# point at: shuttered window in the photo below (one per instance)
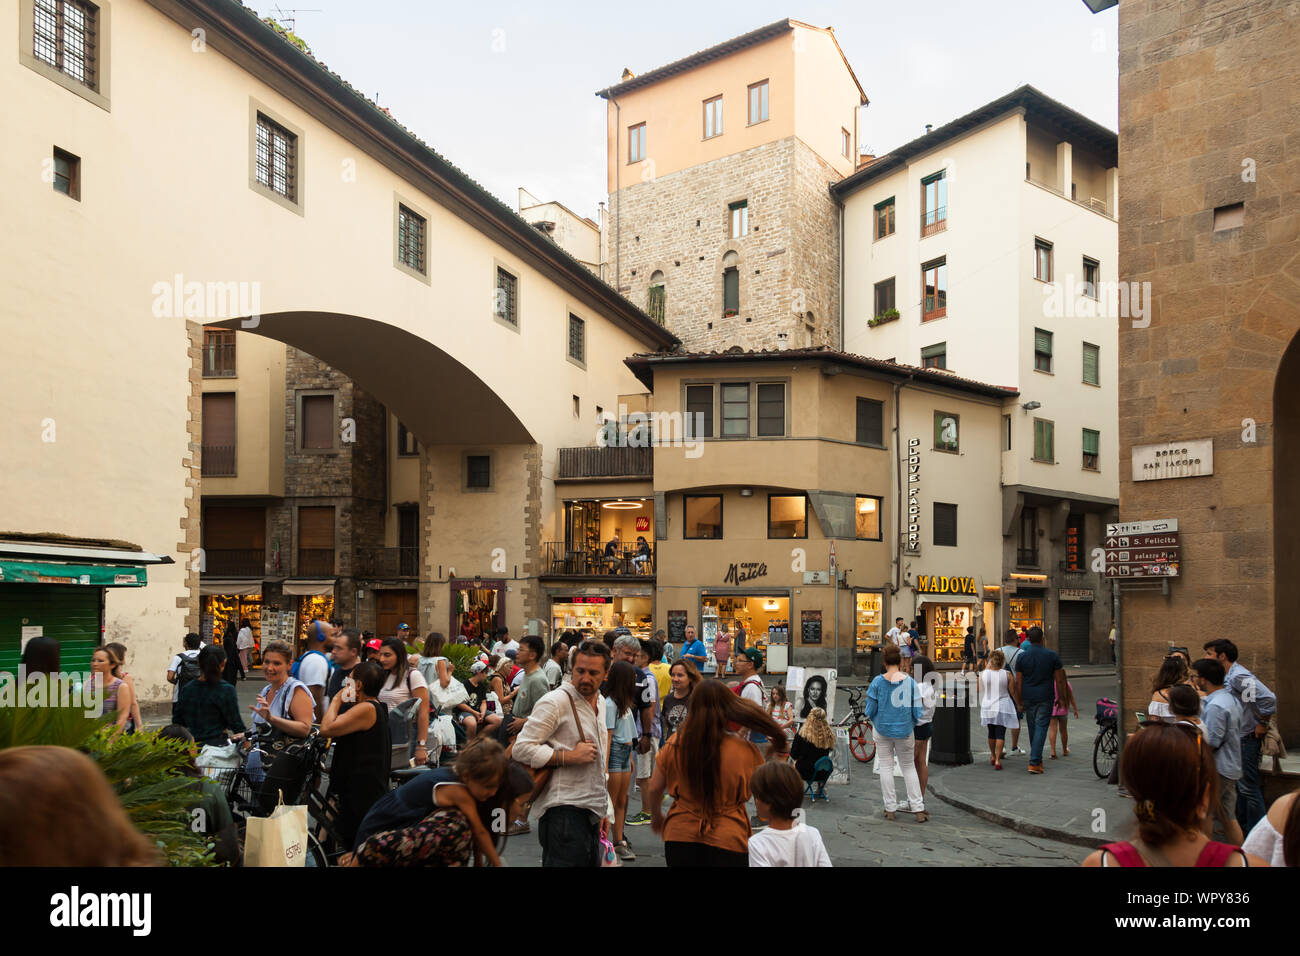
(699, 409)
(1091, 448)
(1042, 350)
(234, 528)
(871, 422)
(317, 426)
(219, 434)
(70, 615)
(771, 410)
(316, 527)
(1044, 440)
(945, 525)
(1091, 364)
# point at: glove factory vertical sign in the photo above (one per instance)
(913, 540)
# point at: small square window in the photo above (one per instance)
(787, 516)
(935, 356)
(478, 471)
(67, 174)
(703, 514)
(1230, 217)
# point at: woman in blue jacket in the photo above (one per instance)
(894, 708)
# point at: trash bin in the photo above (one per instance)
(950, 743)
(873, 667)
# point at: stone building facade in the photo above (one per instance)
(1210, 217)
(676, 232)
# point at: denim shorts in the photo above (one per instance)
(620, 757)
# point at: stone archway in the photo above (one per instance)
(1286, 538)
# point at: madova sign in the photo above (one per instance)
(937, 584)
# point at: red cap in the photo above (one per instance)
(374, 644)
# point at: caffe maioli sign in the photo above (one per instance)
(938, 584)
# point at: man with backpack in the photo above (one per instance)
(185, 665)
(313, 666)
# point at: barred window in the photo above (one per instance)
(507, 297)
(277, 160)
(64, 36)
(410, 239)
(577, 339)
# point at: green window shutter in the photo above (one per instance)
(655, 303)
(1091, 362)
(68, 613)
(1042, 341)
(1091, 441)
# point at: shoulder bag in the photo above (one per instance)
(542, 775)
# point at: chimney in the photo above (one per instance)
(782, 341)
(627, 75)
(928, 127)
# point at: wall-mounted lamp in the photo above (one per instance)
(1031, 406)
(746, 492)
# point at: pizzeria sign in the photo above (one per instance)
(940, 584)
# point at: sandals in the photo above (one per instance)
(889, 815)
(997, 766)
(922, 816)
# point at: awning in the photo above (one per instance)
(308, 588)
(240, 588)
(85, 575)
(946, 599)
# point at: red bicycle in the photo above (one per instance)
(861, 743)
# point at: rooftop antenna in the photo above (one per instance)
(286, 18)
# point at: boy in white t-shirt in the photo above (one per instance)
(787, 841)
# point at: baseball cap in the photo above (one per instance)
(403, 627)
(374, 644)
(755, 656)
(511, 653)
(477, 667)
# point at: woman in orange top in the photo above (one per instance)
(706, 769)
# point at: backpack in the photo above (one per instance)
(188, 670)
(293, 671)
(739, 689)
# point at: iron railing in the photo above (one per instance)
(234, 562)
(219, 461)
(316, 562)
(607, 462)
(1027, 557)
(388, 562)
(934, 220)
(563, 560)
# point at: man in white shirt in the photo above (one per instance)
(503, 642)
(314, 665)
(894, 635)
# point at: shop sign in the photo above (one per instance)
(816, 577)
(584, 599)
(745, 571)
(1075, 594)
(913, 496)
(643, 523)
(937, 584)
(1173, 459)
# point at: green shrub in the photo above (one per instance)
(461, 657)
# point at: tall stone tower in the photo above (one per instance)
(721, 223)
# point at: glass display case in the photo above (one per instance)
(868, 620)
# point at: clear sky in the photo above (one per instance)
(505, 90)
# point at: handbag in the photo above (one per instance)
(542, 775)
(279, 839)
(607, 855)
(449, 697)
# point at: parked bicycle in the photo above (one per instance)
(1106, 747)
(861, 743)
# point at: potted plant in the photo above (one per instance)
(889, 315)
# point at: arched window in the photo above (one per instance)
(730, 284)
(655, 299)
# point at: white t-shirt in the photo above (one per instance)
(554, 673)
(753, 690)
(396, 693)
(893, 636)
(801, 845)
(244, 640)
(175, 667)
(314, 670)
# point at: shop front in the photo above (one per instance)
(223, 604)
(478, 607)
(948, 605)
(1025, 603)
(868, 621)
(763, 616)
(600, 610)
(305, 601)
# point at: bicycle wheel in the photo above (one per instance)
(315, 853)
(1104, 750)
(861, 744)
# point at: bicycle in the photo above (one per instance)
(1106, 747)
(861, 743)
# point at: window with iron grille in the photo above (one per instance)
(935, 356)
(507, 296)
(885, 218)
(478, 471)
(410, 239)
(218, 353)
(1091, 448)
(945, 525)
(1044, 441)
(277, 158)
(871, 422)
(1042, 350)
(1091, 364)
(771, 410)
(64, 35)
(577, 339)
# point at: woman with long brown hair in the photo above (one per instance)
(707, 768)
(58, 809)
(1173, 671)
(118, 697)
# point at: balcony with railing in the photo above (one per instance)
(1026, 557)
(234, 562)
(934, 220)
(316, 562)
(563, 560)
(607, 462)
(219, 461)
(388, 562)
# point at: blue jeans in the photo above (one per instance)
(1038, 716)
(1250, 799)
